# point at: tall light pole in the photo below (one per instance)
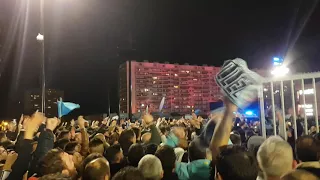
(40, 39)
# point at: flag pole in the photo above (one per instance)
(60, 109)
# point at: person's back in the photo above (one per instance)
(135, 153)
(199, 166)
(275, 158)
(115, 157)
(167, 157)
(299, 175)
(128, 173)
(234, 162)
(307, 153)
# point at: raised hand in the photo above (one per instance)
(32, 124)
(52, 123)
(147, 119)
(72, 123)
(105, 121)
(11, 158)
(81, 121)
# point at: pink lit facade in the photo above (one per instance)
(185, 87)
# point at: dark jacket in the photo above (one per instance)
(155, 135)
(45, 144)
(20, 166)
(171, 176)
(311, 167)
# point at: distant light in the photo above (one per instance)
(154, 77)
(187, 71)
(276, 59)
(176, 86)
(249, 113)
(309, 114)
(142, 105)
(5, 124)
(40, 37)
(306, 91)
(265, 89)
(146, 90)
(176, 75)
(307, 106)
(195, 79)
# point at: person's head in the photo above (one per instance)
(57, 161)
(126, 139)
(56, 176)
(88, 159)
(234, 162)
(65, 134)
(307, 149)
(167, 157)
(101, 137)
(136, 152)
(72, 147)
(97, 169)
(235, 139)
(145, 138)
(114, 154)
(113, 139)
(196, 151)
(151, 167)
(78, 138)
(151, 148)
(275, 157)
(299, 174)
(128, 173)
(61, 143)
(96, 146)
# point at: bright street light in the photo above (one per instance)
(40, 37)
(280, 71)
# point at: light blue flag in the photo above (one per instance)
(65, 108)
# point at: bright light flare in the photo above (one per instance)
(280, 71)
(40, 37)
(249, 113)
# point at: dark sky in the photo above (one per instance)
(82, 37)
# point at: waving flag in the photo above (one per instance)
(65, 108)
(161, 104)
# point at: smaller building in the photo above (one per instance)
(32, 101)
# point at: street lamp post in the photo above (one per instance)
(40, 38)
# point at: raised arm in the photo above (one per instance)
(222, 131)
(20, 166)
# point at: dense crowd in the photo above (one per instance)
(221, 147)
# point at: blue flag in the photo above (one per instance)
(65, 108)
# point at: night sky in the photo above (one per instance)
(83, 38)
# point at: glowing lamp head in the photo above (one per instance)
(249, 113)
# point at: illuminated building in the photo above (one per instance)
(32, 101)
(185, 87)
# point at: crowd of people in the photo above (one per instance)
(219, 147)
